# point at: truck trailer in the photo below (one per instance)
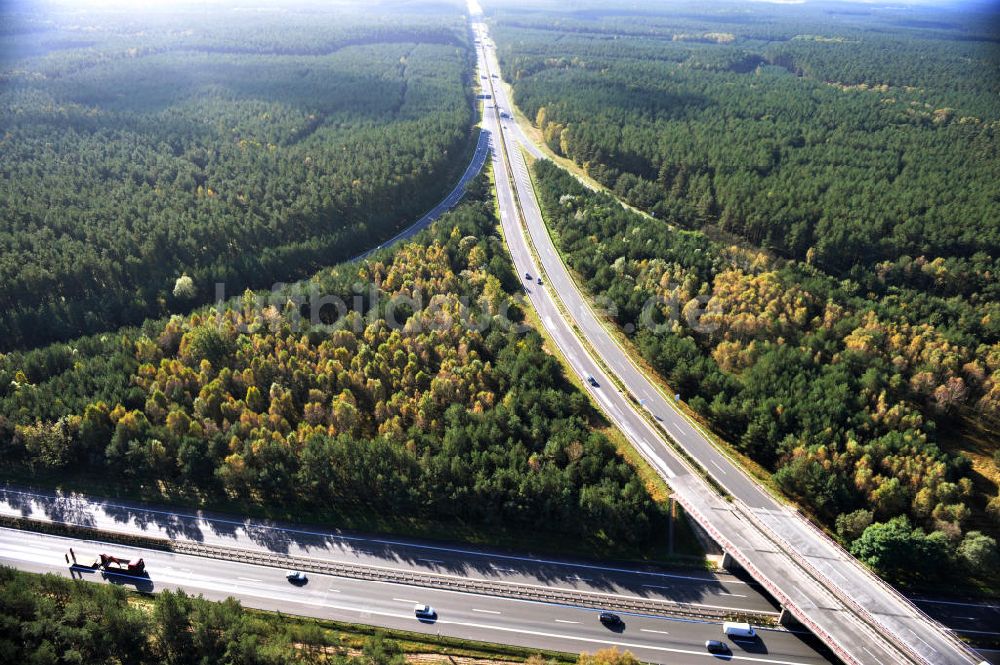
(113, 564)
(108, 563)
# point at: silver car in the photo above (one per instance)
(424, 611)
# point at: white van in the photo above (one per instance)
(737, 629)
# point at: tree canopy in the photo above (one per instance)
(241, 151)
(50, 619)
(428, 401)
(835, 313)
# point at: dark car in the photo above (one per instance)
(592, 381)
(539, 281)
(715, 646)
(610, 619)
(527, 276)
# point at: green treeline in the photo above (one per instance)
(850, 142)
(843, 330)
(840, 401)
(45, 619)
(845, 176)
(452, 416)
(133, 158)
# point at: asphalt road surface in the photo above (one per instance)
(795, 560)
(470, 616)
(446, 204)
(716, 590)
(973, 619)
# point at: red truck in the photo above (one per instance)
(113, 564)
(109, 563)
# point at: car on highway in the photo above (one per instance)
(424, 611)
(715, 646)
(539, 281)
(296, 576)
(592, 381)
(611, 619)
(527, 276)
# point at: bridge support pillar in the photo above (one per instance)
(787, 619)
(728, 562)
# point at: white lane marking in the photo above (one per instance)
(954, 602)
(431, 560)
(877, 660)
(249, 579)
(650, 630)
(450, 550)
(978, 632)
(404, 600)
(485, 611)
(617, 643)
(273, 591)
(655, 586)
(726, 593)
(333, 591)
(922, 641)
(716, 465)
(565, 621)
(540, 586)
(577, 578)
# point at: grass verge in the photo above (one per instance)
(687, 550)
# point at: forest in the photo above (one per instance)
(429, 403)
(827, 163)
(47, 619)
(148, 160)
(50, 619)
(822, 237)
(840, 402)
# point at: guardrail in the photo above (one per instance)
(520, 590)
(946, 632)
(901, 642)
(868, 622)
(768, 584)
(481, 586)
(830, 587)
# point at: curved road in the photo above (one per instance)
(446, 204)
(862, 618)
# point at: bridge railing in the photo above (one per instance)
(832, 642)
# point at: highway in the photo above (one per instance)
(711, 590)
(786, 554)
(860, 617)
(974, 619)
(485, 618)
(446, 204)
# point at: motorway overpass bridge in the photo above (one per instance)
(861, 618)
